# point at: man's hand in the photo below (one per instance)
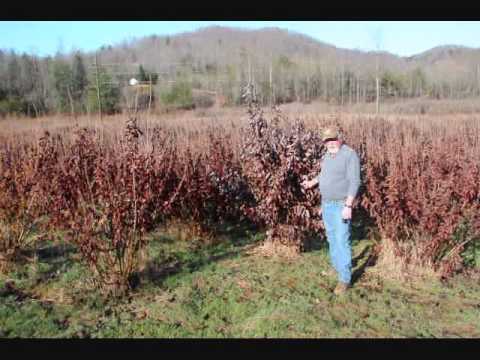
(347, 213)
(308, 184)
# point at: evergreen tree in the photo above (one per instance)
(62, 79)
(109, 93)
(79, 82)
(145, 76)
(13, 76)
(142, 76)
(32, 86)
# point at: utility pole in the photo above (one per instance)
(149, 109)
(98, 87)
(272, 97)
(70, 98)
(136, 99)
(358, 89)
(341, 81)
(478, 80)
(251, 79)
(378, 43)
(150, 94)
(377, 86)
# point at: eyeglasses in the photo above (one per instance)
(330, 139)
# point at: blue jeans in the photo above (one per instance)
(338, 237)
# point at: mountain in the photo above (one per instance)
(224, 45)
(441, 53)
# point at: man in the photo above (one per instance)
(339, 181)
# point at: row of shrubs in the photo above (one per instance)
(420, 189)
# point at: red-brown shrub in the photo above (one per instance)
(275, 161)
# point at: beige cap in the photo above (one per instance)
(330, 133)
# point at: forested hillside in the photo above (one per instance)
(197, 69)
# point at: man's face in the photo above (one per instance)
(333, 145)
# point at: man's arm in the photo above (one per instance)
(353, 176)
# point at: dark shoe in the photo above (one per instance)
(341, 288)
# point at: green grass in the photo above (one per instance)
(222, 291)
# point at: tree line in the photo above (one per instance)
(79, 83)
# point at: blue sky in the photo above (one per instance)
(403, 38)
